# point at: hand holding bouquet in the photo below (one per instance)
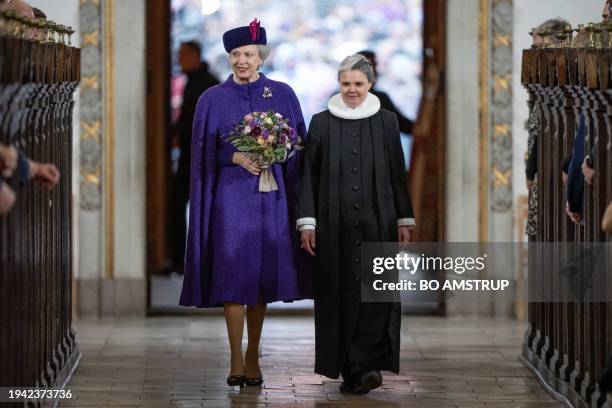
(269, 138)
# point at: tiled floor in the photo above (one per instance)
(183, 361)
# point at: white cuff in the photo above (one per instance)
(306, 227)
(309, 222)
(406, 222)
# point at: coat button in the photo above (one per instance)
(354, 134)
(357, 242)
(357, 260)
(355, 188)
(357, 224)
(356, 206)
(354, 151)
(354, 169)
(356, 278)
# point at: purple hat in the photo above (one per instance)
(247, 35)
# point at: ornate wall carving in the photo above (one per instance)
(500, 83)
(91, 104)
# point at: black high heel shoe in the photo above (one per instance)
(234, 380)
(254, 382)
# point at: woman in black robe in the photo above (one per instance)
(353, 189)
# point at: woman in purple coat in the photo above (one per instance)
(241, 249)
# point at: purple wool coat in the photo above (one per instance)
(242, 246)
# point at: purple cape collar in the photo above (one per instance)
(250, 86)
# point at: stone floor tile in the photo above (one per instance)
(184, 361)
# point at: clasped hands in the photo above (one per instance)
(248, 162)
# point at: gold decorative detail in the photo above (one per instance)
(502, 40)
(92, 38)
(94, 2)
(501, 129)
(502, 82)
(90, 82)
(93, 177)
(91, 130)
(501, 178)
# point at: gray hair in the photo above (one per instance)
(553, 29)
(553, 26)
(359, 63)
(264, 51)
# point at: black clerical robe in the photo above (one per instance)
(353, 182)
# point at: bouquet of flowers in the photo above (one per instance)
(270, 139)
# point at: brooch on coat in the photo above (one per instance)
(267, 93)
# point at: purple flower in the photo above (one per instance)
(255, 130)
(282, 139)
(265, 133)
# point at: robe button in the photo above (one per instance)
(354, 170)
(354, 152)
(356, 206)
(357, 242)
(357, 224)
(354, 134)
(355, 188)
(356, 278)
(357, 260)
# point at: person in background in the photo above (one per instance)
(14, 162)
(19, 6)
(549, 34)
(582, 39)
(588, 166)
(405, 124)
(607, 11)
(553, 26)
(198, 81)
(7, 197)
(38, 13)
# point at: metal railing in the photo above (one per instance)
(39, 73)
(569, 342)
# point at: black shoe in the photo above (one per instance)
(254, 382)
(368, 381)
(234, 380)
(347, 388)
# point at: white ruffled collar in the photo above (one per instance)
(369, 107)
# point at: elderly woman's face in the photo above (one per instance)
(354, 87)
(244, 61)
